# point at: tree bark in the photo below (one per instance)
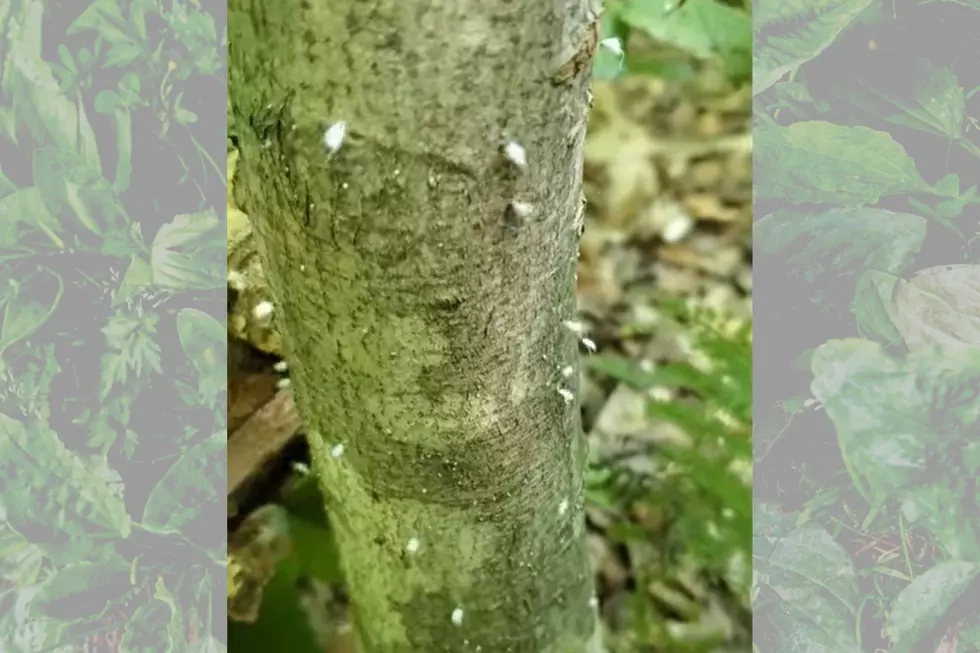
(421, 276)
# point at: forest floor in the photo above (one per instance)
(668, 178)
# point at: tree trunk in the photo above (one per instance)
(421, 273)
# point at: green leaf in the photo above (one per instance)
(820, 162)
(205, 341)
(191, 253)
(935, 103)
(792, 32)
(824, 254)
(814, 578)
(38, 102)
(890, 413)
(873, 303)
(83, 590)
(73, 190)
(191, 495)
(53, 498)
(925, 602)
(30, 306)
(27, 226)
(148, 630)
(703, 28)
(939, 307)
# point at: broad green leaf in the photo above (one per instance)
(138, 275)
(811, 627)
(74, 190)
(808, 559)
(704, 28)
(191, 495)
(191, 253)
(53, 498)
(83, 590)
(205, 341)
(825, 163)
(924, 603)
(822, 255)
(38, 102)
(20, 561)
(148, 630)
(790, 33)
(27, 226)
(873, 305)
(22, 631)
(933, 102)
(813, 576)
(890, 413)
(32, 303)
(942, 511)
(939, 307)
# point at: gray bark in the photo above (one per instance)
(420, 278)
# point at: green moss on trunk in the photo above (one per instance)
(421, 320)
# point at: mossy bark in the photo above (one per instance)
(421, 315)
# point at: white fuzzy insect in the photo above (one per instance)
(333, 138)
(237, 280)
(589, 344)
(576, 327)
(566, 394)
(337, 451)
(516, 154)
(457, 617)
(282, 384)
(413, 545)
(563, 507)
(613, 44)
(263, 310)
(281, 367)
(567, 371)
(521, 209)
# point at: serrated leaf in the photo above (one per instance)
(923, 604)
(821, 162)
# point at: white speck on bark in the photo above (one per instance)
(262, 310)
(413, 545)
(516, 154)
(457, 617)
(566, 394)
(333, 138)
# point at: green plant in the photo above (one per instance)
(701, 486)
(870, 364)
(704, 29)
(112, 344)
